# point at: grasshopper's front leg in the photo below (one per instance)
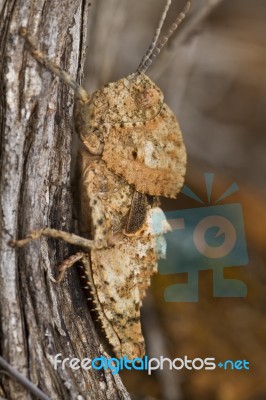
(80, 93)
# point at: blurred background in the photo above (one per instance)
(213, 75)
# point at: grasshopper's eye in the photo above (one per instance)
(147, 98)
(94, 142)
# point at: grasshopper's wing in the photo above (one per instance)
(137, 214)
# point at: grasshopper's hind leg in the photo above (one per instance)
(67, 237)
(81, 94)
(68, 263)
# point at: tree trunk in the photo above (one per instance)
(38, 318)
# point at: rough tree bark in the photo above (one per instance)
(38, 318)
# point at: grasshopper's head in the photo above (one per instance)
(131, 100)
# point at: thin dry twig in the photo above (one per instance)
(12, 372)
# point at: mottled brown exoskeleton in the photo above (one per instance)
(134, 148)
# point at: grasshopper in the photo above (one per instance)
(133, 152)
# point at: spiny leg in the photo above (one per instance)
(80, 92)
(68, 263)
(56, 234)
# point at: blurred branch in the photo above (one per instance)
(194, 22)
(169, 382)
(13, 373)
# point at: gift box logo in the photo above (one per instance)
(205, 238)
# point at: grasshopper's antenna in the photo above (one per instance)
(80, 92)
(157, 34)
(148, 59)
